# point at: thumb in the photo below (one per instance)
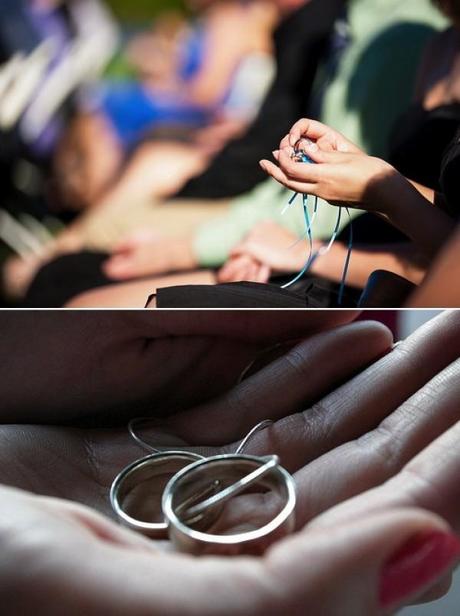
(370, 566)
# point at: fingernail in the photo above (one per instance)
(263, 165)
(311, 146)
(417, 565)
(275, 153)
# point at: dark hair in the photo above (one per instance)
(451, 8)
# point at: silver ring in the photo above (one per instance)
(136, 492)
(200, 535)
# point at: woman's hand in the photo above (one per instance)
(361, 467)
(274, 246)
(243, 267)
(67, 559)
(267, 248)
(343, 175)
(326, 138)
(148, 254)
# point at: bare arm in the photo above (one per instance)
(414, 215)
(440, 288)
(400, 259)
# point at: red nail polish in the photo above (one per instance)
(423, 559)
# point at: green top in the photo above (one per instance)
(371, 88)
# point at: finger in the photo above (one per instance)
(285, 142)
(359, 406)
(279, 175)
(303, 172)
(263, 274)
(250, 326)
(307, 128)
(375, 565)
(363, 402)
(242, 269)
(247, 269)
(227, 272)
(123, 363)
(293, 381)
(357, 566)
(318, 155)
(379, 455)
(430, 481)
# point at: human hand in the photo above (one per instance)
(331, 415)
(66, 558)
(274, 246)
(243, 267)
(94, 455)
(147, 253)
(343, 175)
(62, 366)
(326, 138)
(361, 578)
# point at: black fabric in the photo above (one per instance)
(300, 43)
(386, 290)
(419, 140)
(231, 295)
(316, 293)
(369, 229)
(62, 279)
(450, 175)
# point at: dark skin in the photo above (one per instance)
(340, 434)
(117, 363)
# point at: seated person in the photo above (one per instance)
(203, 88)
(211, 243)
(345, 176)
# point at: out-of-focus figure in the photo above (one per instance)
(51, 49)
(196, 87)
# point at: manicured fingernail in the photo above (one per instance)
(416, 566)
(275, 153)
(263, 165)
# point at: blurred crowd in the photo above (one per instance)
(130, 157)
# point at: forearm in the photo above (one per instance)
(400, 259)
(414, 215)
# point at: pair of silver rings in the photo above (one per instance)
(224, 504)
